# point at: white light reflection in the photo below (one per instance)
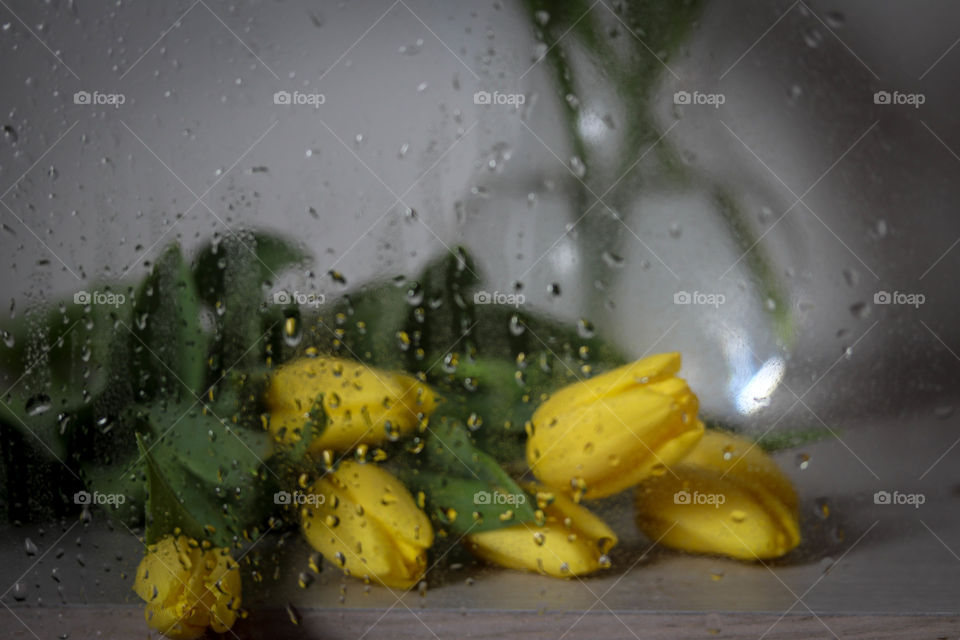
(750, 387)
(592, 128)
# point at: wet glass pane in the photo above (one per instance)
(362, 311)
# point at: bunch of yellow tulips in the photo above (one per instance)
(635, 427)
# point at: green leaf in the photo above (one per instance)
(213, 468)
(165, 512)
(778, 439)
(230, 276)
(169, 345)
(460, 480)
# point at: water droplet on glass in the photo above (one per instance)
(835, 20)
(293, 614)
(851, 277)
(943, 412)
(860, 310)
(812, 37)
(675, 230)
(516, 325)
(613, 260)
(803, 461)
(738, 516)
(291, 332)
(38, 404)
(577, 167)
(585, 329)
(30, 547)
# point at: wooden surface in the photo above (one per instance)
(106, 623)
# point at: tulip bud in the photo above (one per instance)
(361, 404)
(366, 522)
(607, 434)
(188, 588)
(571, 542)
(726, 497)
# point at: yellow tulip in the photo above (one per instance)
(363, 405)
(188, 588)
(364, 520)
(571, 542)
(726, 497)
(606, 434)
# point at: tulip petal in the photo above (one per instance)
(362, 404)
(614, 443)
(645, 371)
(727, 497)
(369, 525)
(571, 542)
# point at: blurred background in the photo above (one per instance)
(767, 188)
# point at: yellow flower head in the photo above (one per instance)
(571, 542)
(188, 588)
(363, 405)
(727, 497)
(365, 521)
(606, 434)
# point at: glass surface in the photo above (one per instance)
(765, 189)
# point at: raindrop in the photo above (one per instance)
(38, 405)
(291, 332)
(585, 329)
(613, 260)
(576, 165)
(943, 412)
(880, 229)
(835, 20)
(305, 579)
(294, 615)
(803, 461)
(20, 591)
(860, 310)
(675, 230)
(516, 325)
(812, 37)
(851, 277)
(30, 547)
(738, 516)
